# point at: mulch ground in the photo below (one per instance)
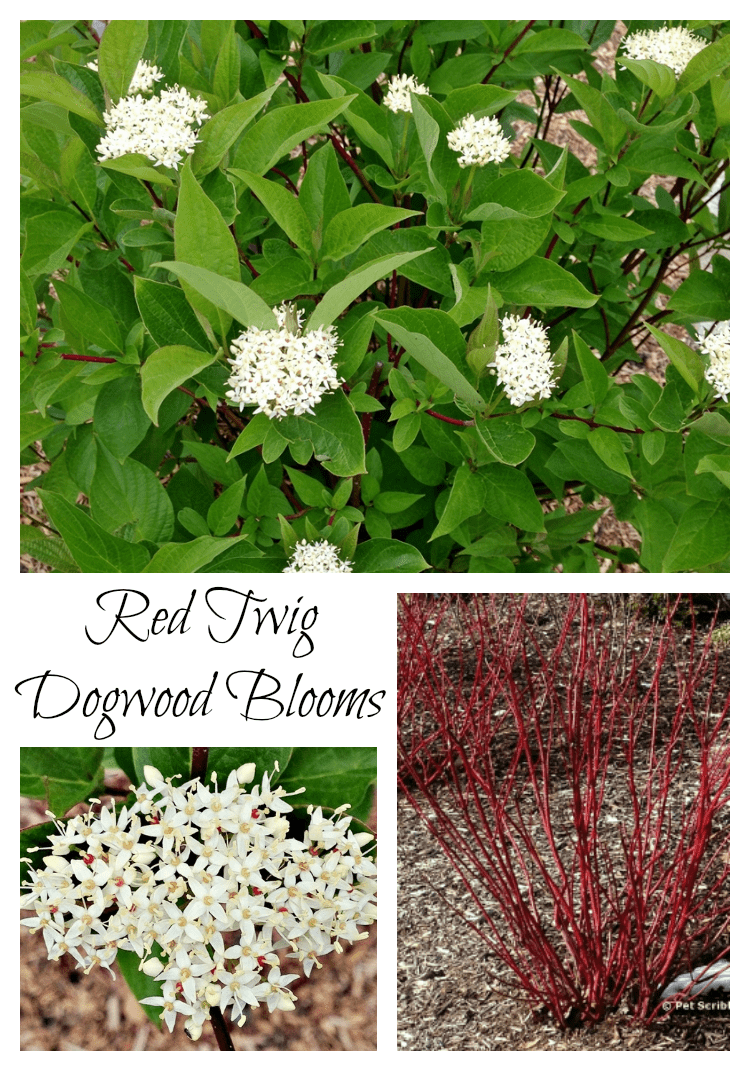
(453, 991)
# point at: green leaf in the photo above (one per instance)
(335, 432)
(188, 557)
(601, 114)
(404, 324)
(130, 494)
(93, 548)
(326, 37)
(395, 501)
(34, 837)
(119, 417)
(518, 194)
(92, 321)
(44, 85)
(363, 115)
(405, 432)
(168, 316)
(252, 435)
(282, 205)
(62, 776)
(701, 539)
(332, 776)
(121, 47)
(477, 100)
(48, 549)
(506, 439)
(323, 193)
(509, 496)
(221, 131)
(614, 228)
(138, 166)
(465, 500)
(235, 298)
(539, 282)
(223, 513)
(35, 426)
(350, 229)
(686, 361)
(341, 296)
(166, 369)
(50, 237)
(607, 444)
(202, 238)
(703, 296)
(308, 490)
(717, 464)
(388, 556)
(657, 76)
(593, 371)
(276, 134)
(710, 61)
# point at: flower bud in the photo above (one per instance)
(193, 1029)
(55, 862)
(152, 967)
(246, 773)
(212, 994)
(152, 776)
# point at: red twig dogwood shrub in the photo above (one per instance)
(580, 790)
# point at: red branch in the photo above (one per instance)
(493, 731)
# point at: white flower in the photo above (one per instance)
(161, 128)
(317, 557)
(716, 347)
(674, 46)
(143, 79)
(479, 141)
(523, 364)
(237, 871)
(283, 371)
(401, 85)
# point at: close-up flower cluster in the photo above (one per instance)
(716, 347)
(283, 371)
(161, 128)
(479, 141)
(401, 85)
(205, 886)
(523, 363)
(673, 46)
(320, 556)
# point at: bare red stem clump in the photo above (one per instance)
(588, 822)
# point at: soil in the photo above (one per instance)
(63, 1009)
(454, 992)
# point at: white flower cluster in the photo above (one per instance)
(283, 371)
(716, 348)
(674, 46)
(480, 141)
(161, 128)
(212, 878)
(401, 85)
(143, 79)
(523, 363)
(317, 557)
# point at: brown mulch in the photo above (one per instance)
(453, 992)
(63, 1009)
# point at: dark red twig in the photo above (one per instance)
(494, 730)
